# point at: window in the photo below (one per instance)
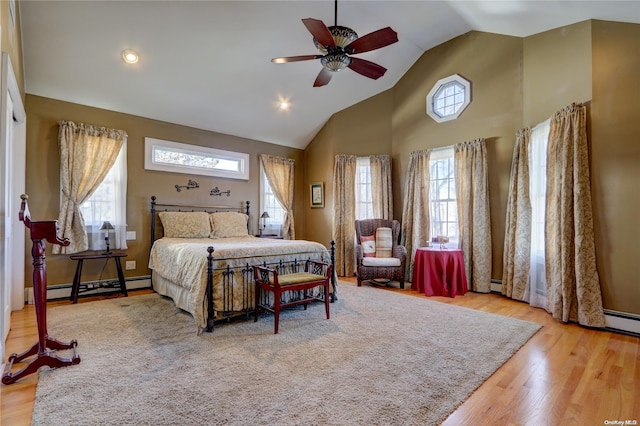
(537, 195)
(108, 203)
(268, 203)
(364, 197)
(443, 207)
(192, 159)
(448, 98)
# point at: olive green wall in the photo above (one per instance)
(556, 71)
(363, 129)
(495, 113)
(518, 82)
(43, 177)
(615, 161)
(493, 65)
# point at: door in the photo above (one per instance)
(12, 184)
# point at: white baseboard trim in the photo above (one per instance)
(28, 296)
(63, 291)
(622, 322)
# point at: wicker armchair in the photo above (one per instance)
(370, 272)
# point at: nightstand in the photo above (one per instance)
(75, 290)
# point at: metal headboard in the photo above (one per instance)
(158, 207)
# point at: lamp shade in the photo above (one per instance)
(106, 225)
(335, 61)
(342, 36)
(265, 215)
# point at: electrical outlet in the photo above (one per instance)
(131, 235)
(130, 264)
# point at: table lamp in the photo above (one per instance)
(264, 218)
(106, 226)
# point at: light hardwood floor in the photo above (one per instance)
(564, 375)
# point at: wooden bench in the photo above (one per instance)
(267, 279)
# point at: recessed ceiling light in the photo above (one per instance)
(129, 56)
(284, 105)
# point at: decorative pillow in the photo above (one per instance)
(228, 224)
(185, 224)
(368, 245)
(384, 242)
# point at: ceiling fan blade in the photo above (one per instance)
(367, 68)
(320, 31)
(372, 41)
(295, 59)
(323, 78)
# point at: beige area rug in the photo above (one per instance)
(382, 359)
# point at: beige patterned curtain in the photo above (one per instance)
(415, 212)
(344, 216)
(87, 153)
(517, 241)
(573, 285)
(281, 175)
(474, 220)
(381, 188)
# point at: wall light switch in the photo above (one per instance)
(130, 264)
(131, 235)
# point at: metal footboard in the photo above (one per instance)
(240, 279)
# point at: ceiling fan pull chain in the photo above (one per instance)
(335, 19)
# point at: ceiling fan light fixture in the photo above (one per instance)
(342, 36)
(335, 61)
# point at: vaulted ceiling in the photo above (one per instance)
(207, 64)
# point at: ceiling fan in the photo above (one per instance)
(337, 43)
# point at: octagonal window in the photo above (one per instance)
(448, 98)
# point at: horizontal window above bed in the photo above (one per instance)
(178, 157)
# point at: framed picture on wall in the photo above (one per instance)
(317, 194)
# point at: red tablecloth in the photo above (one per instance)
(439, 272)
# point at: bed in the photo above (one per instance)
(197, 251)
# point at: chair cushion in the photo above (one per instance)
(368, 244)
(381, 261)
(384, 242)
(298, 277)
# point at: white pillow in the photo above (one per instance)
(368, 244)
(228, 224)
(185, 224)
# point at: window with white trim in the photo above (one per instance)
(364, 197)
(108, 204)
(268, 203)
(443, 204)
(448, 98)
(178, 157)
(537, 151)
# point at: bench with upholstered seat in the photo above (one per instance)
(316, 274)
